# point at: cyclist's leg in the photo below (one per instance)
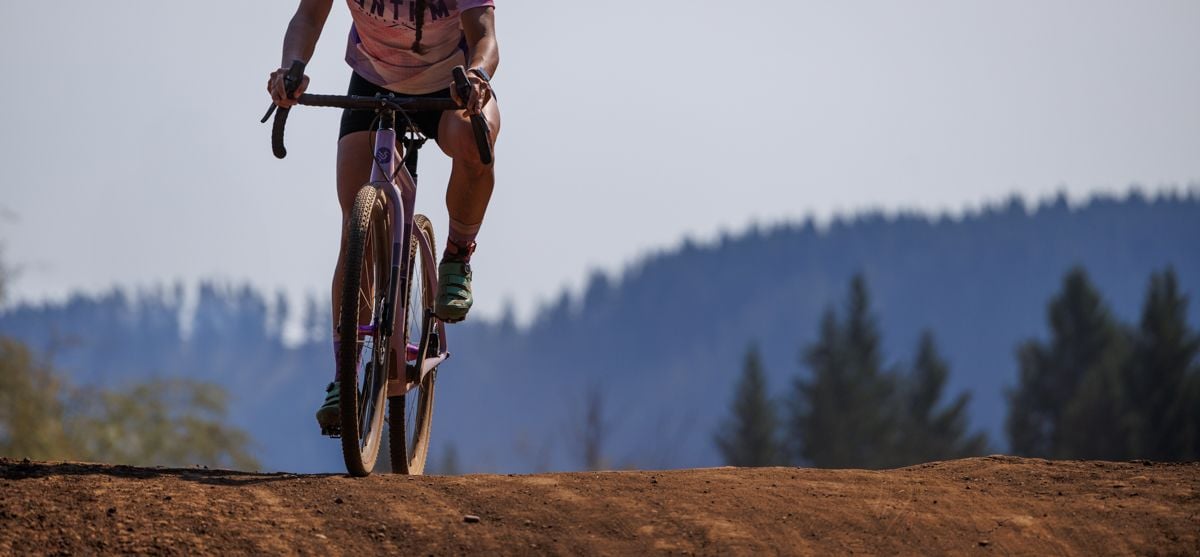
(471, 181)
(467, 197)
(353, 170)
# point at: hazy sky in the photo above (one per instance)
(131, 152)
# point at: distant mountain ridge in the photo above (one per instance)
(664, 340)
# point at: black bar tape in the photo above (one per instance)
(478, 123)
(291, 82)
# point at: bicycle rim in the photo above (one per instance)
(410, 415)
(363, 360)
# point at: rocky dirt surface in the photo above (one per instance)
(992, 505)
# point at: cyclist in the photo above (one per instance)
(409, 47)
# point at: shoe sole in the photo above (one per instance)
(331, 428)
(463, 317)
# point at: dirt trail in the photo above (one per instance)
(997, 505)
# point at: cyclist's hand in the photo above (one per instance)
(279, 94)
(481, 94)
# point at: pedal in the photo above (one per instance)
(332, 432)
(433, 314)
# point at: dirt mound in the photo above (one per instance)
(995, 504)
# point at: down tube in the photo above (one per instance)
(397, 184)
(383, 166)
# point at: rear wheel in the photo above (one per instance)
(410, 414)
(362, 362)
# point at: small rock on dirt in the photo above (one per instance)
(470, 519)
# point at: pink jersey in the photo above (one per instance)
(381, 39)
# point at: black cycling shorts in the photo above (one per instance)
(364, 120)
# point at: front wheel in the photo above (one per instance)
(363, 357)
(410, 414)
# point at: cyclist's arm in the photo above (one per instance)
(304, 30)
(479, 25)
(298, 44)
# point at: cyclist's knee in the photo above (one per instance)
(456, 138)
(470, 164)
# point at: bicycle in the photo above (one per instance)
(379, 291)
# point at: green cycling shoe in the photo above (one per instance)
(454, 285)
(329, 415)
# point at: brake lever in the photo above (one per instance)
(291, 81)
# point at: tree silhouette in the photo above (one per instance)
(927, 432)
(748, 437)
(1193, 397)
(592, 430)
(1067, 402)
(844, 415)
(1157, 381)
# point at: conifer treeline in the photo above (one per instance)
(1096, 389)
(1102, 389)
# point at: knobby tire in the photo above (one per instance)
(367, 231)
(410, 414)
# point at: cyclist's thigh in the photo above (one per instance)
(457, 138)
(353, 166)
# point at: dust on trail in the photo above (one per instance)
(998, 505)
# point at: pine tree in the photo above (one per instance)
(1157, 382)
(1067, 402)
(31, 412)
(593, 430)
(749, 436)
(843, 416)
(1193, 425)
(929, 433)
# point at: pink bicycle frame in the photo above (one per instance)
(401, 191)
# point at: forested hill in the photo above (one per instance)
(663, 342)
